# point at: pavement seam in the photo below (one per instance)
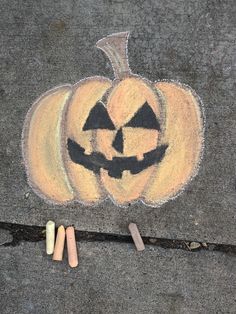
(28, 233)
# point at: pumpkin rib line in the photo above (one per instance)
(202, 119)
(102, 191)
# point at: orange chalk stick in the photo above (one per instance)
(71, 247)
(136, 237)
(59, 246)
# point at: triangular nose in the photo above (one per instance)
(118, 142)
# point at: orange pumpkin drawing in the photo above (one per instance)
(127, 139)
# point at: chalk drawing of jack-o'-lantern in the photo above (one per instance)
(129, 139)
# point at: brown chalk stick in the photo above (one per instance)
(136, 237)
(59, 246)
(71, 247)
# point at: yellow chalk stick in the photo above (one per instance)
(136, 237)
(71, 247)
(50, 237)
(59, 246)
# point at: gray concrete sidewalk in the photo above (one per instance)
(46, 43)
(113, 278)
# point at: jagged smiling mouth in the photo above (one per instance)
(115, 167)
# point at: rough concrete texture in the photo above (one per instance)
(46, 43)
(5, 236)
(114, 278)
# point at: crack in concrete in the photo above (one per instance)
(28, 233)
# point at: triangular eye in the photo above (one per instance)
(144, 118)
(98, 119)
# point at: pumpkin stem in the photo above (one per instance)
(115, 47)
